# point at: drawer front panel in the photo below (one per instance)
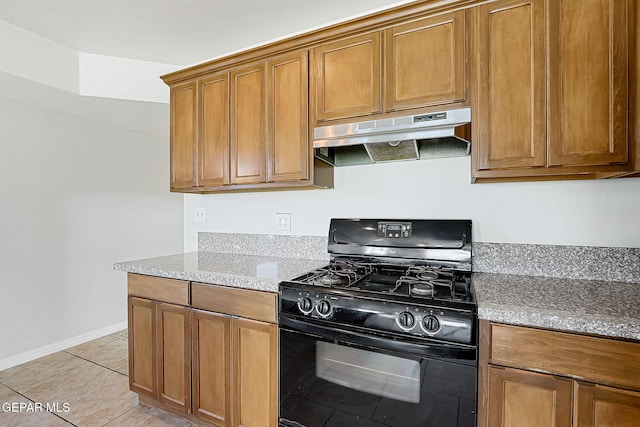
(595, 359)
(159, 289)
(247, 303)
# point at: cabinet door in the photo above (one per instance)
(600, 406)
(509, 109)
(347, 81)
(183, 135)
(528, 399)
(142, 340)
(288, 139)
(211, 367)
(214, 131)
(174, 356)
(248, 131)
(425, 62)
(255, 383)
(588, 67)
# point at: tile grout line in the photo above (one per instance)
(86, 360)
(71, 354)
(88, 391)
(97, 364)
(126, 412)
(110, 369)
(109, 382)
(33, 401)
(40, 378)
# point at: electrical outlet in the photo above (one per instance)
(283, 221)
(200, 215)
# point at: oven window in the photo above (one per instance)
(324, 383)
(378, 374)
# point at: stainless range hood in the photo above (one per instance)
(417, 137)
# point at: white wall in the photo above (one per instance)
(590, 213)
(122, 78)
(76, 196)
(38, 59)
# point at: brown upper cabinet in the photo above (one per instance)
(551, 88)
(288, 148)
(348, 77)
(184, 136)
(588, 82)
(213, 144)
(425, 62)
(246, 128)
(416, 64)
(510, 107)
(248, 125)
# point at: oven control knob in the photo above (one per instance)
(324, 308)
(305, 305)
(406, 320)
(430, 324)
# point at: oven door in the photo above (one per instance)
(336, 377)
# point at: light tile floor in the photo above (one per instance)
(85, 385)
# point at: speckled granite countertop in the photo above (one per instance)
(588, 306)
(242, 271)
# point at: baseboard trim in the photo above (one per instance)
(18, 359)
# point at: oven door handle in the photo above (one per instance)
(373, 341)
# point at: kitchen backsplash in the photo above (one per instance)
(304, 247)
(574, 262)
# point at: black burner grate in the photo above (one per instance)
(415, 281)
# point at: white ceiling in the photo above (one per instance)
(180, 32)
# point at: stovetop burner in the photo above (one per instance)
(392, 280)
(408, 277)
(422, 289)
(338, 274)
(330, 279)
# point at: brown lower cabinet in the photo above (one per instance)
(255, 372)
(212, 367)
(234, 360)
(518, 396)
(174, 356)
(217, 368)
(579, 380)
(598, 405)
(159, 352)
(142, 344)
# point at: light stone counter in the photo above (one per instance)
(587, 306)
(242, 271)
(574, 288)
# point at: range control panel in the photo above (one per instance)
(400, 317)
(394, 229)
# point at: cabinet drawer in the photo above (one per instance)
(159, 288)
(247, 303)
(595, 359)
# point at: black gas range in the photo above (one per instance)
(385, 334)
